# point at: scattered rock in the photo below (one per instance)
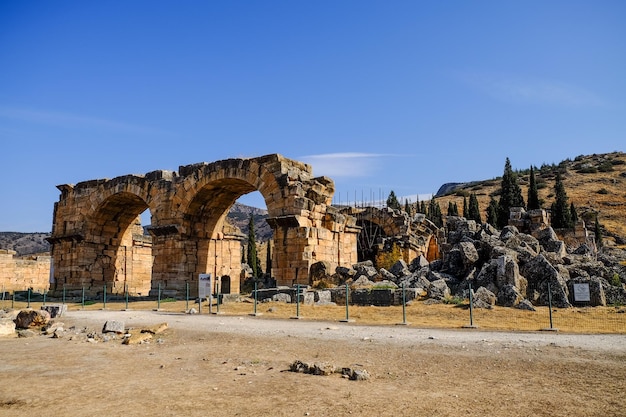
(32, 318)
(55, 310)
(113, 326)
(159, 328)
(7, 327)
(137, 338)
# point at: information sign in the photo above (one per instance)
(204, 286)
(581, 292)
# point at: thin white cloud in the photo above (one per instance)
(345, 164)
(525, 90)
(73, 121)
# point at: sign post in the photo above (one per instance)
(204, 290)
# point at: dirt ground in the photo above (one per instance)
(220, 365)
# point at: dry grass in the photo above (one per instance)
(582, 190)
(418, 314)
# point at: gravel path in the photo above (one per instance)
(406, 335)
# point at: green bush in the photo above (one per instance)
(615, 281)
(588, 170)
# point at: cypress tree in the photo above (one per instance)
(450, 209)
(434, 213)
(465, 208)
(492, 212)
(268, 259)
(598, 233)
(573, 214)
(510, 196)
(533, 193)
(392, 201)
(474, 209)
(455, 208)
(407, 207)
(561, 217)
(253, 261)
(423, 207)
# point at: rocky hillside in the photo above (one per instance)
(596, 184)
(25, 243)
(239, 215)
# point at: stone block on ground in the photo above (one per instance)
(7, 327)
(113, 326)
(137, 338)
(55, 310)
(156, 329)
(31, 318)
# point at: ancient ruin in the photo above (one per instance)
(381, 228)
(97, 237)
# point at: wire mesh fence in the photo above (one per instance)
(417, 312)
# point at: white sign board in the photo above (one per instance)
(581, 292)
(204, 286)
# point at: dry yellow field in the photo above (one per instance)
(590, 320)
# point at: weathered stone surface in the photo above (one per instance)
(539, 272)
(321, 270)
(418, 263)
(156, 329)
(484, 295)
(55, 310)
(322, 297)
(509, 296)
(365, 269)
(281, 298)
(52, 327)
(7, 327)
(362, 282)
(400, 269)
(26, 333)
(386, 275)
(114, 326)
(31, 318)
(438, 290)
(526, 305)
(137, 338)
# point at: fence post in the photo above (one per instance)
(217, 295)
(104, 297)
(28, 306)
(186, 295)
(126, 294)
(63, 293)
(403, 304)
(347, 319)
(471, 308)
(256, 298)
(159, 298)
(551, 328)
(83, 298)
(44, 297)
(297, 316)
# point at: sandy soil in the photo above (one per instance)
(238, 366)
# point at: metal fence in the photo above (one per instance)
(302, 303)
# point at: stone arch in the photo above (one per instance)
(189, 234)
(94, 235)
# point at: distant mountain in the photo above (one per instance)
(239, 215)
(25, 243)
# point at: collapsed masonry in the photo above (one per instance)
(97, 238)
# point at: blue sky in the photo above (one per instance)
(378, 95)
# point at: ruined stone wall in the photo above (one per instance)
(19, 274)
(92, 221)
